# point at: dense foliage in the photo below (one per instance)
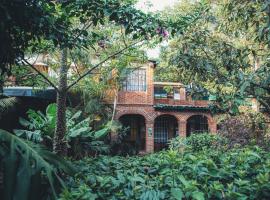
(81, 138)
(29, 171)
(224, 53)
(246, 128)
(219, 48)
(208, 173)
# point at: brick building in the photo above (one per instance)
(155, 115)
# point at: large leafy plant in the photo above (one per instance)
(29, 172)
(80, 137)
(39, 126)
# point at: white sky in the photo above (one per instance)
(156, 5)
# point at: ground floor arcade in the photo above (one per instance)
(151, 129)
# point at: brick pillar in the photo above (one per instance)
(149, 144)
(182, 93)
(182, 127)
(150, 83)
(212, 127)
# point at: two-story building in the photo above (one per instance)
(155, 115)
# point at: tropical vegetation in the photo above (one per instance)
(218, 49)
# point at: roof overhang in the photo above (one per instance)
(166, 107)
(43, 93)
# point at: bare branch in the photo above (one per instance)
(42, 75)
(100, 63)
(85, 27)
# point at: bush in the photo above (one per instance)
(241, 173)
(247, 128)
(198, 142)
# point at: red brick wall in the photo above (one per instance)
(150, 114)
(139, 97)
(126, 97)
(142, 103)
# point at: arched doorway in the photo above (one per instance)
(136, 130)
(197, 124)
(165, 128)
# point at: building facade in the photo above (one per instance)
(155, 112)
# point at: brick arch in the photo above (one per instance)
(132, 112)
(208, 116)
(165, 113)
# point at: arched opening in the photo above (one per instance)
(197, 124)
(165, 128)
(136, 131)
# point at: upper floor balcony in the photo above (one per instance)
(170, 93)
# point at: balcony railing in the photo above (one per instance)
(171, 101)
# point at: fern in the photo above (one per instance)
(24, 165)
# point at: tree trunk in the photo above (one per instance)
(59, 142)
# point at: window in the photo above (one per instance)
(160, 93)
(135, 80)
(176, 94)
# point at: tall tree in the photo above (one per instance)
(217, 55)
(67, 25)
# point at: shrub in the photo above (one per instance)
(246, 128)
(239, 173)
(198, 142)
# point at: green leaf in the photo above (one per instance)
(177, 193)
(101, 133)
(78, 132)
(197, 195)
(24, 122)
(51, 110)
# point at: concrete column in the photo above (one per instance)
(149, 148)
(182, 127)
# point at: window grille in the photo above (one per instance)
(161, 130)
(197, 124)
(135, 80)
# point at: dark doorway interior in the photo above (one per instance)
(197, 124)
(136, 130)
(165, 128)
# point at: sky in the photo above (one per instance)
(156, 5)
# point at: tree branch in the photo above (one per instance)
(39, 73)
(100, 63)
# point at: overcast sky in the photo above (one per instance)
(157, 4)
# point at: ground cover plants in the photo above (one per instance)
(206, 173)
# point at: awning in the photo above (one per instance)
(167, 107)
